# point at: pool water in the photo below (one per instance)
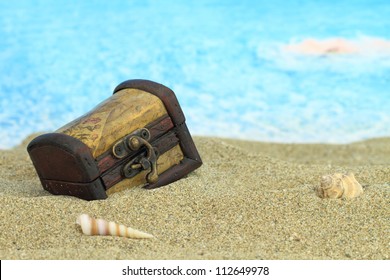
(225, 60)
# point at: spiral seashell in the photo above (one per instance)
(92, 226)
(339, 185)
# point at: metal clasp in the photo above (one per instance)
(135, 142)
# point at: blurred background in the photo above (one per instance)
(226, 61)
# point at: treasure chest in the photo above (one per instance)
(136, 137)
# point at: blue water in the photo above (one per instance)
(224, 60)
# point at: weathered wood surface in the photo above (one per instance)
(114, 118)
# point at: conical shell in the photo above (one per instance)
(339, 185)
(92, 226)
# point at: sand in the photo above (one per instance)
(249, 200)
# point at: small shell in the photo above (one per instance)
(339, 185)
(92, 226)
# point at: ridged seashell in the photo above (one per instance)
(92, 226)
(339, 185)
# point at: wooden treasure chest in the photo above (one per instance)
(138, 136)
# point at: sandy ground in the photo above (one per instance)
(249, 200)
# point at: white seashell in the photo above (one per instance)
(92, 226)
(339, 185)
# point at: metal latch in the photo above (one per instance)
(134, 142)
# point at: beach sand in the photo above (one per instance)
(249, 200)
